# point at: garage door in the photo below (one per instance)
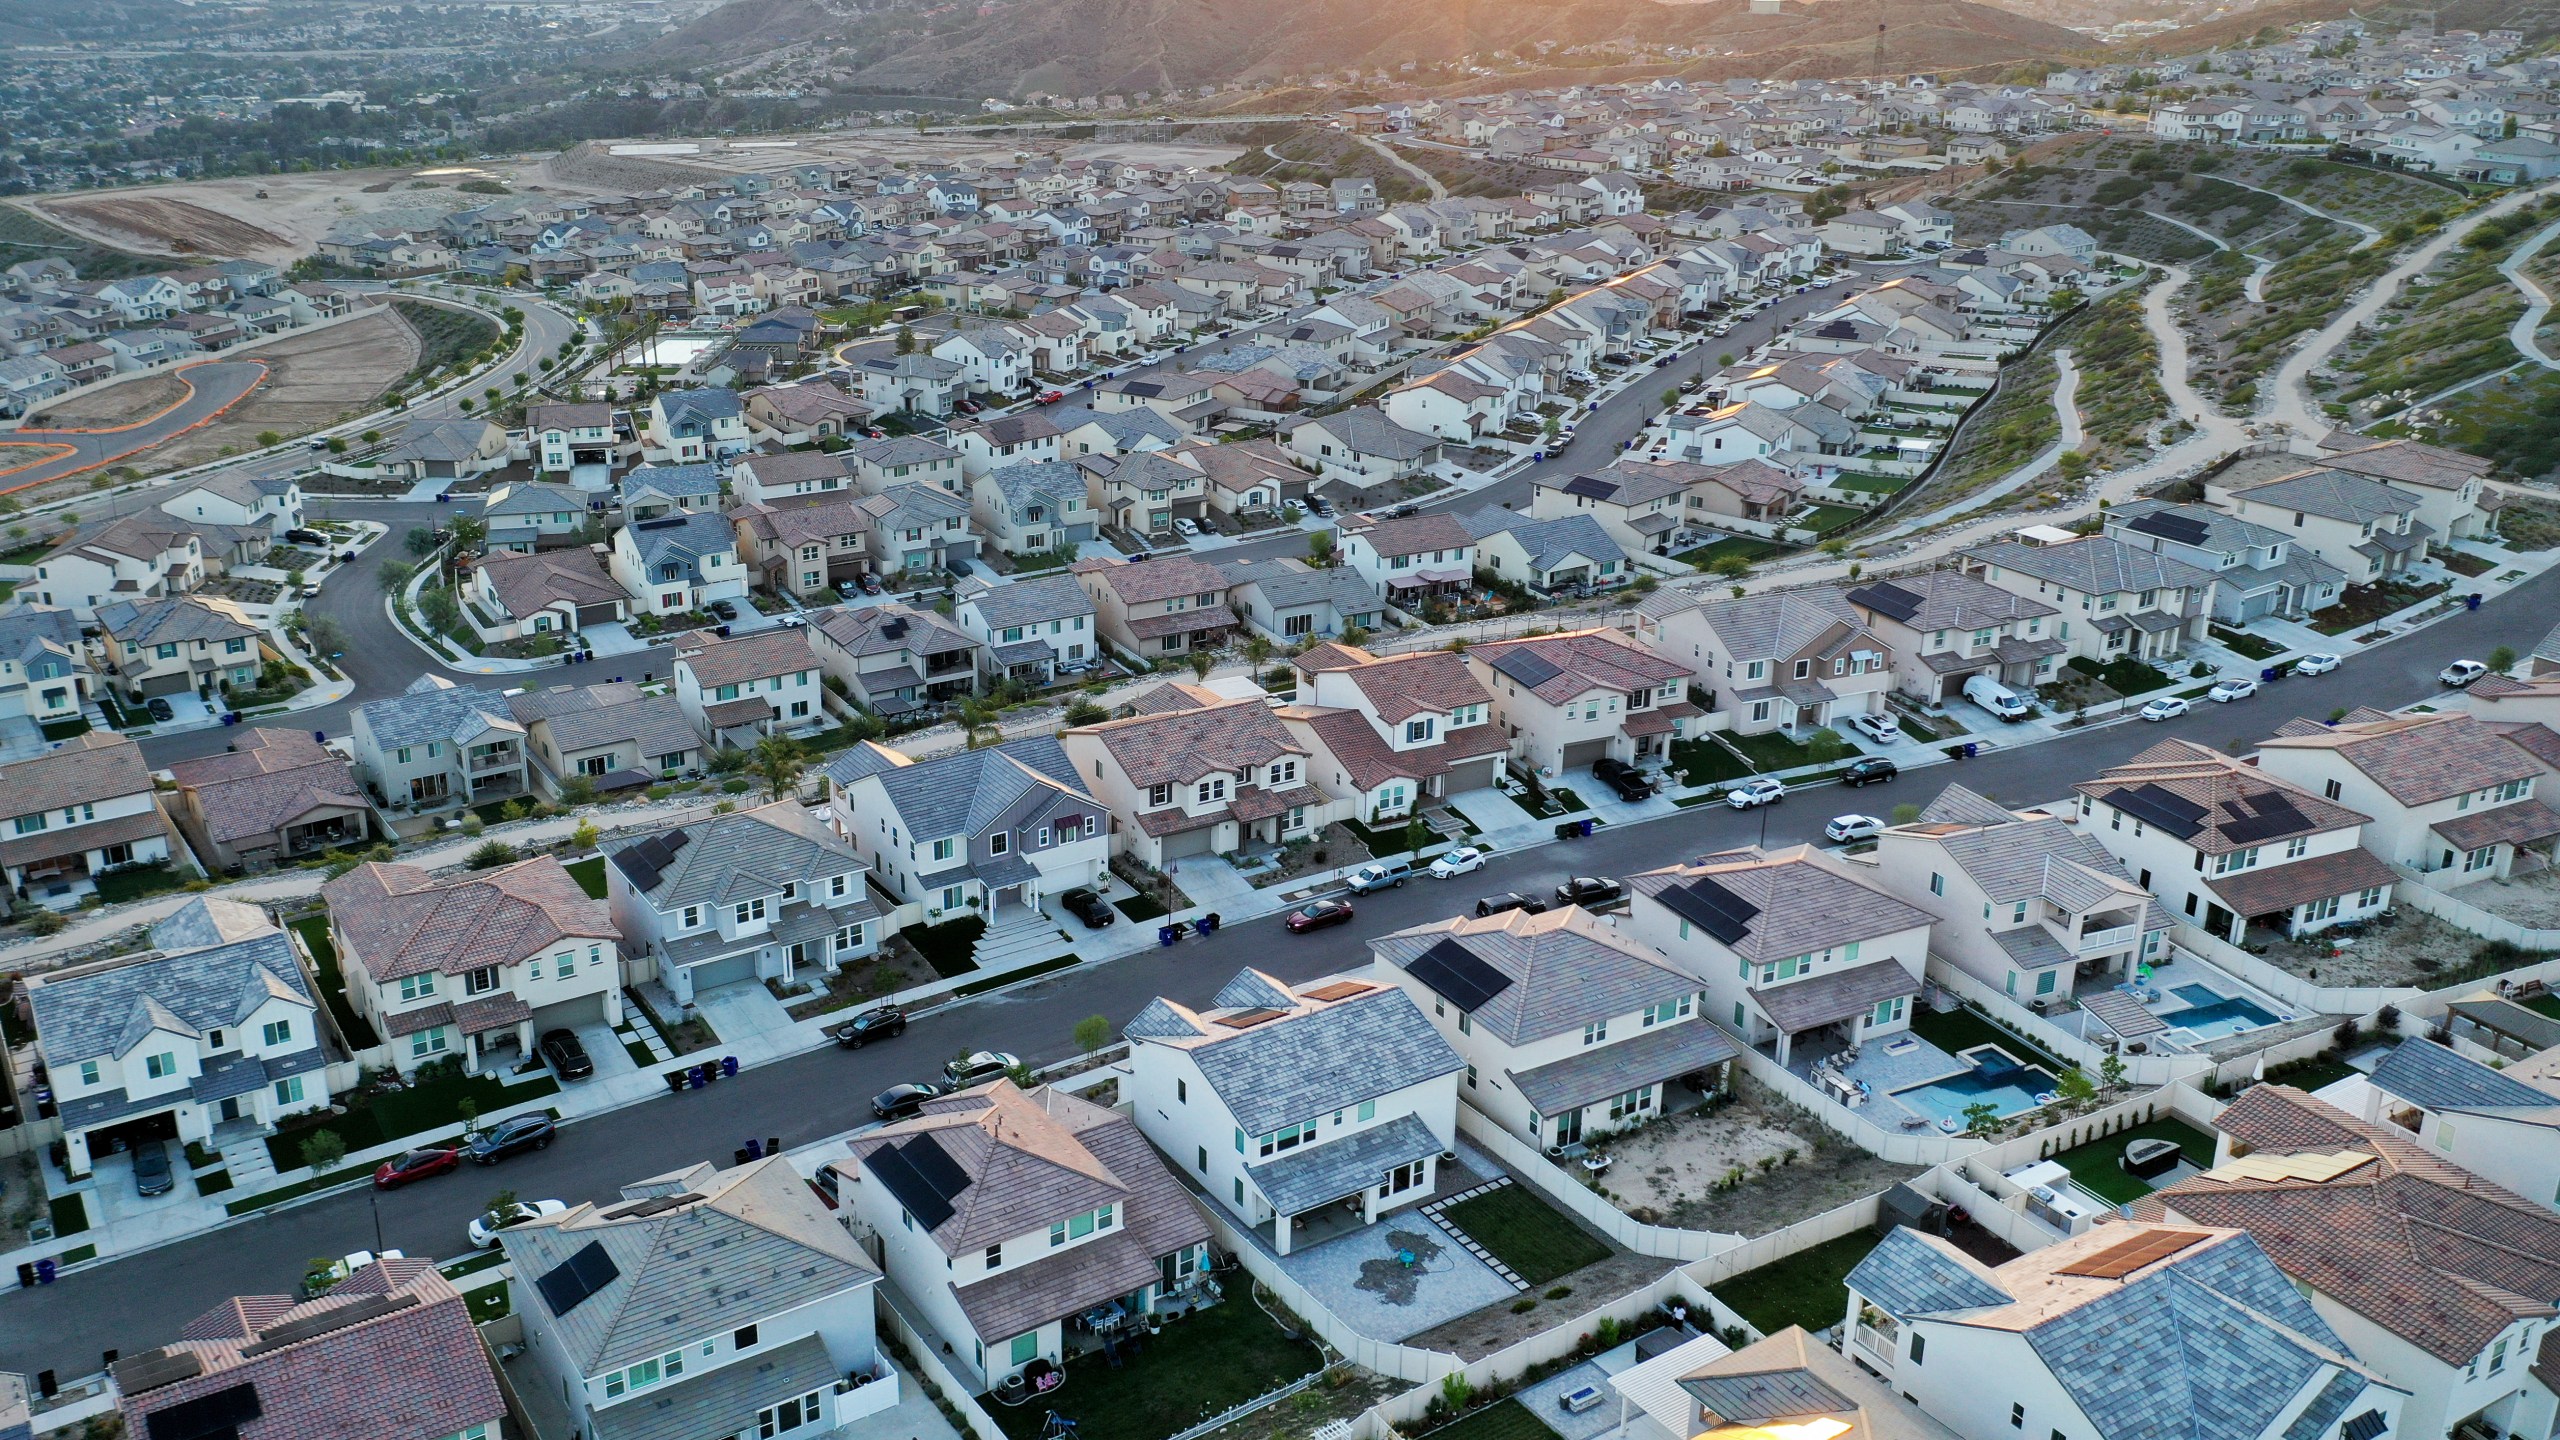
(570, 1014)
(604, 614)
(1583, 752)
(1190, 842)
(722, 972)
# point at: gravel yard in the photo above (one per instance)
(2416, 949)
(1775, 1165)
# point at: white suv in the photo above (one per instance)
(1884, 728)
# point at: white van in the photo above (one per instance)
(1997, 698)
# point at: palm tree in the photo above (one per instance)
(779, 762)
(1257, 648)
(978, 719)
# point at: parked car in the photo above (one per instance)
(1631, 783)
(566, 1054)
(151, 1172)
(1185, 525)
(726, 610)
(1320, 506)
(871, 584)
(1752, 794)
(875, 1024)
(1510, 900)
(1318, 915)
(1089, 907)
(1378, 875)
(2238, 687)
(1590, 890)
(900, 1101)
(1884, 728)
(2167, 707)
(979, 1066)
(2318, 662)
(160, 709)
(512, 1136)
(1869, 770)
(416, 1165)
(967, 407)
(484, 1227)
(2462, 672)
(1846, 828)
(1461, 861)
(1051, 397)
(305, 537)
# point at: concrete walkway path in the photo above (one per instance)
(2066, 397)
(2537, 300)
(2370, 234)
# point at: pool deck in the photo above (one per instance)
(1895, 1063)
(2166, 976)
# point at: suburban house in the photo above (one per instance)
(2446, 793)
(1072, 1227)
(1362, 447)
(1030, 630)
(613, 736)
(1288, 601)
(554, 592)
(894, 659)
(578, 439)
(1147, 490)
(918, 530)
(2231, 845)
(275, 795)
(1944, 627)
(739, 689)
(1410, 560)
(1568, 1029)
(202, 1044)
(2367, 529)
(791, 475)
(75, 812)
(2031, 1346)
(1793, 660)
(1800, 954)
(1782, 1383)
(683, 562)
(1209, 780)
(987, 832)
(654, 492)
(234, 497)
(2257, 571)
(1161, 607)
(439, 743)
(692, 427)
(1033, 508)
(1641, 506)
(1568, 699)
(1570, 555)
(1395, 733)
(811, 548)
(775, 1340)
(191, 645)
(2117, 601)
(1289, 1102)
(131, 558)
(2451, 488)
(2498, 1123)
(769, 893)
(44, 665)
(477, 965)
(2440, 1280)
(389, 1353)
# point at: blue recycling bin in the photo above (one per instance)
(1165, 935)
(1209, 923)
(2471, 601)
(1587, 827)
(2271, 674)
(45, 1271)
(1971, 749)
(728, 1067)
(753, 1149)
(693, 1078)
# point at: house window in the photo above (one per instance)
(417, 987)
(999, 842)
(1595, 1032)
(88, 1072)
(1210, 791)
(277, 1032)
(1937, 883)
(2018, 1416)
(160, 1066)
(1160, 794)
(1919, 1347)
(942, 849)
(426, 1043)
(808, 1409)
(692, 916)
(289, 1090)
(480, 981)
(751, 912)
(995, 1257)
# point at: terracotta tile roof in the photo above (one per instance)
(1413, 534)
(1404, 686)
(88, 767)
(1146, 581)
(716, 662)
(1183, 746)
(2418, 759)
(268, 784)
(2269, 889)
(404, 922)
(1368, 761)
(1331, 655)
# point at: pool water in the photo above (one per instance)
(2211, 1014)
(2012, 1093)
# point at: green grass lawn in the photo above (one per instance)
(947, 946)
(1809, 1288)
(1704, 762)
(314, 931)
(1956, 1031)
(2124, 674)
(1201, 1365)
(1526, 1233)
(2246, 644)
(1139, 908)
(1748, 547)
(432, 1105)
(1502, 1420)
(1823, 519)
(2094, 1164)
(117, 886)
(1871, 484)
(589, 873)
(70, 1214)
(2544, 1004)
(1776, 750)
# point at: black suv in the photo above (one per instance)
(1590, 890)
(1514, 900)
(567, 1056)
(1089, 907)
(1630, 783)
(511, 1136)
(1869, 770)
(871, 1025)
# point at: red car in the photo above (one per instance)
(1051, 397)
(1319, 915)
(416, 1165)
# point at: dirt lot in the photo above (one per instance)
(1668, 1172)
(1481, 1332)
(312, 380)
(2415, 949)
(233, 216)
(119, 404)
(163, 224)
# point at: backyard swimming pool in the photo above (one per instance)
(1996, 1080)
(2210, 1014)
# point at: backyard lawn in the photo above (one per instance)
(589, 873)
(1960, 1029)
(1502, 1420)
(314, 931)
(1202, 1364)
(2546, 1004)
(1526, 1233)
(134, 882)
(1748, 547)
(2094, 1164)
(1809, 1288)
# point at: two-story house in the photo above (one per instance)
(986, 832)
(2447, 794)
(2367, 529)
(1029, 630)
(148, 556)
(1943, 627)
(578, 439)
(2498, 1123)
(903, 459)
(1411, 560)
(679, 563)
(691, 427)
(1032, 508)
(75, 812)
(1568, 1029)
(1641, 504)
(917, 531)
(769, 893)
(1013, 1218)
(235, 497)
(1156, 608)
(1145, 491)
(478, 965)
(1362, 447)
(613, 736)
(1795, 660)
(791, 475)
(895, 659)
(810, 547)
(1569, 699)
(191, 1041)
(775, 1340)
(1334, 1093)
(1800, 953)
(273, 795)
(439, 743)
(191, 645)
(739, 689)
(2257, 571)
(2117, 601)
(1568, 556)
(2451, 488)
(525, 516)
(2439, 1280)
(654, 492)
(44, 665)
(1205, 780)
(1392, 735)
(1291, 602)
(2230, 845)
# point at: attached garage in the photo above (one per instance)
(604, 614)
(711, 974)
(1190, 842)
(1581, 753)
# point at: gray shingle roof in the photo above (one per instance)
(2425, 1073)
(2094, 565)
(1807, 901)
(2333, 493)
(1315, 1174)
(94, 1013)
(969, 791)
(164, 622)
(1949, 600)
(1908, 1275)
(1550, 543)
(1565, 970)
(747, 854)
(1652, 1057)
(1026, 602)
(681, 541)
(1315, 1060)
(721, 1401)
(435, 711)
(676, 482)
(1367, 431)
(209, 920)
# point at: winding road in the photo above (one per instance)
(2537, 300)
(213, 386)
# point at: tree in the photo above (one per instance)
(2502, 659)
(1092, 1033)
(2075, 1087)
(1416, 835)
(978, 723)
(489, 855)
(338, 443)
(322, 1150)
(1085, 712)
(578, 790)
(1320, 549)
(1257, 648)
(1905, 814)
(1824, 746)
(585, 836)
(778, 762)
(2111, 1072)
(499, 1201)
(396, 575)
(373, 437)
(1732, 565)
(1725, 359)
(906, 341)
(268, 439)
(469, 531)
(1202, 662)
(1671, 398)
(420, 540)
(1981, 1117)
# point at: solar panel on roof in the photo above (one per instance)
(2272, 815)
(2179, 816)
(2364, 1426)
(154, 1368)
(920, 1177)
(1891, 601)
(1454, 973)
(2126, 1256)
(1527, 667)
(206, 1417)
(937, 1167)
(337, 1317)
(1591, 485)
(571, 1281)
(1247, 1019)
(654, 1205)
(1339, 990)
(2185, 529)
(1712, 907)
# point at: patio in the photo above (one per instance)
(1907, 1083)
(1403, 1273)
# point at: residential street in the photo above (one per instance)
(136, 1302)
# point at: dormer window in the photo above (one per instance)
(751, 912)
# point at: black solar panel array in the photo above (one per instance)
(1527, 667)
(654, 1205)
(2364, 1426)
(1454, 973)
(643, 863)
(1891, 601)
(217, 1416)
(920, 1176)
(570, 1282)
(2265, 817)
(312, 1327)
(154, 1368)
(2149, 803)
(1711, 907)
(2185, 529)
(1591, 485)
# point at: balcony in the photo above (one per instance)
(2115, 937)
(858, 1397)
(1877, 1345)
(484, 762)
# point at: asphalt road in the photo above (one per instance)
(212, 385)
(138, 1302)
